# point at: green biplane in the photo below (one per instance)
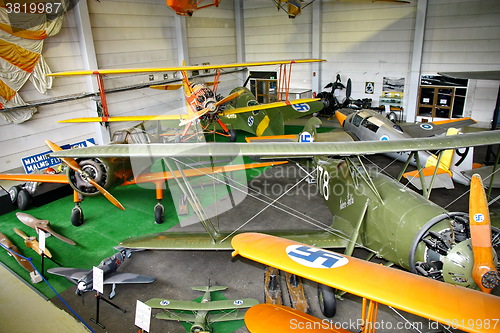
(201, 315)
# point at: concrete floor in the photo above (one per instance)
(177, 271)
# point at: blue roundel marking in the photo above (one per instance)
(426, 127)
(384, 138)
(306, 137)
(164, 302)
(478, 217)
(301, 107)
(238, 302)
(314, 257)
(250, 121)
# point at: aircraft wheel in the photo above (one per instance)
(13, 192)
(232, 134)
(159, 214)
(77, 216)
(327, 300)
(23, 199)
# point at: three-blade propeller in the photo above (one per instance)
(76, 167)
(484, 272)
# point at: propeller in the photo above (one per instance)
(13, 250)
(32, 243)
(43, 225)
(76, 167)
(484, 272)
(211, 108)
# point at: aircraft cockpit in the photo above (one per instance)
(130, 136)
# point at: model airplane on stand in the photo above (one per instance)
(201, 315)
(83, 278)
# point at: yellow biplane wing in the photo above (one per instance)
(184, 68)
(465, 309)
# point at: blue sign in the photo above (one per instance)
(43, 160)
(314, 257)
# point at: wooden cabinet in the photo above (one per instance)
(441, 101)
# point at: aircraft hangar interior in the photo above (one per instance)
(250, 166)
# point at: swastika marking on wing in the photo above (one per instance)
(315, 258)
(301, 107)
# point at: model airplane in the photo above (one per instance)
(373, 211)
(188, 7)
(201, 316)
(205, 104)
(83, 278)
(392, 287)
(93, 176)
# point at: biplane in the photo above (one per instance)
(202, 315)
(206, 105)
(372, 211)
(188, 7)
(376, 284)
(92, 176)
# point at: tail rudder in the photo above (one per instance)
(309, 131)
(209, 288)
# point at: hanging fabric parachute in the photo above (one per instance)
(21, 43)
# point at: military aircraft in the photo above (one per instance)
(188, 7)
(92, 176)
(205, 104)
(439, 171)
(384, 285)
(370, 209)
(83, 278)
(201, 316)
(294, 7)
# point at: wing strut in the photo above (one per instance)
(193, 200)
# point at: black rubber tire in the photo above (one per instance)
(327, 300)
(232, 137)
(23, 199)
(77, 218)
(159, 214)
(13, 192)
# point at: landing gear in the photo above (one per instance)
(23, 199)
(77, 216)
(159, 213)
(232, 135)
(327, 300)
(13, 192)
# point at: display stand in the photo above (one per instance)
(98, 298)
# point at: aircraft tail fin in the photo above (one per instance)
(209, 288)
(309, 131)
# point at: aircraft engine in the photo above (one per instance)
(197, 328)
(447, 253)
(107, 173)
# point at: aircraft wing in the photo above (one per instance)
(69, 273)
(166, 175)
(184, 68)
(421, 130)
(178, 316)
(228, 316)
(125, 118)
(393, 287)
(43, 178)
(268, 106)
(284, 149)
(125, 278)
(161, 303)
(259, 318)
